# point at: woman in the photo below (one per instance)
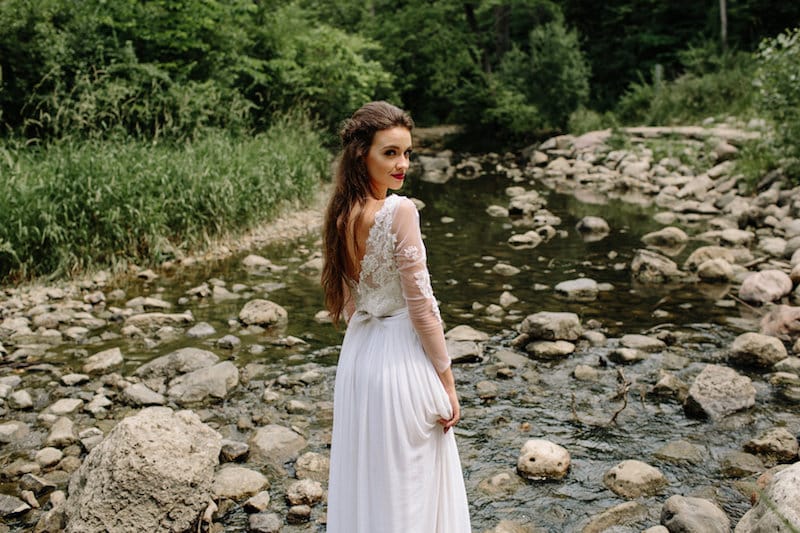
(394, 462)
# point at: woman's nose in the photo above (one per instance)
(403, 162)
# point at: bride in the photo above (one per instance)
(394, 462)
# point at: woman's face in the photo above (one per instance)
(388, 159)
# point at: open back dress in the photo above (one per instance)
(393, 468)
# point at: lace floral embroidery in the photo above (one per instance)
(412, 253)
(423, 281)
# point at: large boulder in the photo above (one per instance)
(153, 472)
(708, 253)
(778, 505)
(755, 349)
(765, 286)
(718, 391)
(551, 326)
(694, 514)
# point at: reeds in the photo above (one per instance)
(76, 205)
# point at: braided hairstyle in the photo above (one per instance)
(351, 189)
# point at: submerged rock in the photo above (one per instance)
(633, 479)
(650, 267)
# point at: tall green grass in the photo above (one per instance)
(75, 205)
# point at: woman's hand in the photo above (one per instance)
(448, 381)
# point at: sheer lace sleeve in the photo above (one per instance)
(349, 302)
(409, 255)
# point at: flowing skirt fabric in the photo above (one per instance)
(393, 469)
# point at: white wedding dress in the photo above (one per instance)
(393, 469)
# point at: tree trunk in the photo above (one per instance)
(723, 24)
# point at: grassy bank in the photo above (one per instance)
(76, 205)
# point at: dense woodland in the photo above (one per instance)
(109, 77)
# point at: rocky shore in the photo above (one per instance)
(99, 435)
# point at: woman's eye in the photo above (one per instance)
(390, 152)
(409, 152)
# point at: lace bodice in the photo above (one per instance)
(394, 275)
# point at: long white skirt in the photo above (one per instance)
(393, 469)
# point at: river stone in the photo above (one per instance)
(263, 313)
(778, 504)
(765, 286)
(633, 479)
(47, 457)
(304, 492)
(708, 253)
(586, 373)
(257, 503)
(669, 385)
(775, 445)
(501, 484)
(550, 349)
(782, 321)
(666, 237)
(236, 483)
(62, 433)
(642, 342)
(794, 275)
(312, 465)
(542, 459)
(718, 391)
(153, 472)
(736, 237)
(200, 330)
(466, 333)
(547, 325)
(650, 267)
(755, 349)
(497, 211)
(103, 362)
(791, 364)
(157, 320)
(626, 355)
(35, 484)
(148, 303)
(265, 523)
(592, 224)
(772, 246)
(139, 394)
(215, 382)
(275, 445)
(65, 406)
(681, 451)
(180, 361)
(715, 270)
(13, 431)
(624, 514)
(694, 514)
(578, 290)
(20, 399)
(233, 450)
(525, 241)
(504, 269)
(738, 464)
(12, 506)
(525, 204)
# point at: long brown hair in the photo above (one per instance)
(351, 189)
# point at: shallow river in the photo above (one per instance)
(547, 402)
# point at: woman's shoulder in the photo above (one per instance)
(403, 204)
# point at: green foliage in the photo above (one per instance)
(540, 88)
(713, 84)
(778, 82)
(72, 205)
(325, 69)
(583, 120)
